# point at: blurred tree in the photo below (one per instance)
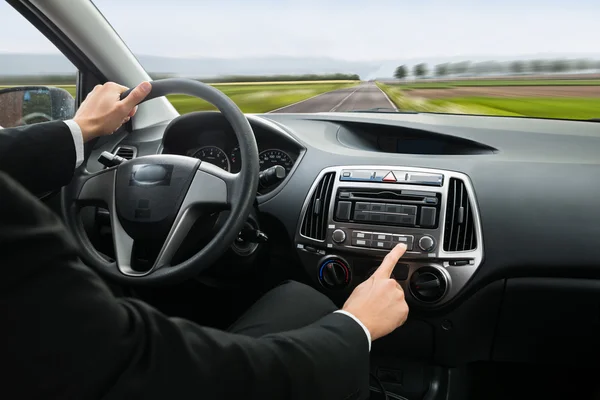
(583, 64)
(420, 70)
(537, 66)
(517, 67)
(441, 69)
(559, 66)
(459, 68)
(400, 72)
(485, 68)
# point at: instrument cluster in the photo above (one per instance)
(210, 138)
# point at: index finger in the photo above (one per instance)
(389, 262)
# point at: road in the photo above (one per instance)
(362, 97)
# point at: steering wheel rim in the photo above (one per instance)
(113, 186)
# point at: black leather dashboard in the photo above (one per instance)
(536, 184)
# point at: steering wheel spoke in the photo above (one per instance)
(211, 188)
(213, 185)
(97, 189)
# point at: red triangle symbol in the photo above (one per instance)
(390, 177)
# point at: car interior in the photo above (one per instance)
(499, 216)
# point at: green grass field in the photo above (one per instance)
(543, 107)
(487, 83)
(255, 98)
(581, 108)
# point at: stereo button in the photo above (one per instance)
(362, 175)
(376, 217)
(378, 207)
(401, 176)
(426, 179)
(382, 236)
(428, 216)
(343, 210)
(410, 210)
(393, 208)
(389, 177)
(361, 242)
(381, 245)
(362, 207)
(406, 239)
(361, 235)
(408, 219)
(361, 216)
(392, 218)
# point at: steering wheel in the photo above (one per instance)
(160, 197)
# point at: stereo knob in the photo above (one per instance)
(338, 236)
(428, 284)
(426, 243)
(334, 274)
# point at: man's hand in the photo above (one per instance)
(103, 112)
(379, 301)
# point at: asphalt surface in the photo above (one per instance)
(362, 97)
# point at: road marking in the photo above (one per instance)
(388, 99)
(301, 101)
(344, 99)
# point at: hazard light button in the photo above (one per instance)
(390, 177)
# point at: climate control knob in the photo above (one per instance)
(428, 284)
(334, 273)
(426, 243)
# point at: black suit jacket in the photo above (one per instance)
(41, 157)
(64, 335)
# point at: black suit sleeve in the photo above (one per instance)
(65, 336)
(40, 157)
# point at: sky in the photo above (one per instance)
(358, 30)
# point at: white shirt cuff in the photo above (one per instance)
(77, 139)
(359, 323)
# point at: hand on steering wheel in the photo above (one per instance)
(162, 195)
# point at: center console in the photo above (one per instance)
(353, 216)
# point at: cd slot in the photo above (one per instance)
(387, 207)
(394, 197)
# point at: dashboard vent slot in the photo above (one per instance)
(459, 233)
(314, 225)
(127, 152)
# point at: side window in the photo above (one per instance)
(37, 82)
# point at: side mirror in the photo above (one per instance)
(25, 105)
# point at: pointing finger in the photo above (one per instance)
(389, 262)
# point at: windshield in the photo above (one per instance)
(527, 58)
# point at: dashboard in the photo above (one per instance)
(500, 215)
(210, 138)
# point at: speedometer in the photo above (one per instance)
(213, 155)
(269, 158)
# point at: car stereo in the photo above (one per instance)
(353, 213)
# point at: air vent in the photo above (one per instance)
(127, 152)
(459, 233)
(314, 225)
